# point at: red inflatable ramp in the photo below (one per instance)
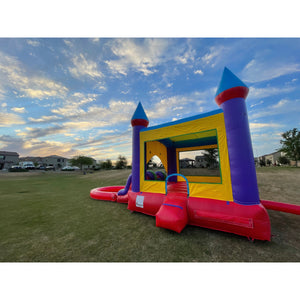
(172, 213)
(284, 207)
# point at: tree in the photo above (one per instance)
(211, 157)
(262, 162)
(121, 162)
(106, 164)
(291, 144)
(80, 161)
(283, 160)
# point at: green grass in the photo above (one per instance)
(51, 218)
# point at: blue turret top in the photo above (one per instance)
(228, 81)
(139, 116)
(230, 87)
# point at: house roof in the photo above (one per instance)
(187, 159)
(9, 153)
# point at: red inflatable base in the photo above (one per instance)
(108, 193)
(251, 221)
(176, 210)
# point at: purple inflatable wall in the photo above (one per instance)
(231, 96)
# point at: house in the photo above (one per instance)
(186, 163)
(34, 159)
(273, 159)
(201, 161)
(58, 162)
(8, 159)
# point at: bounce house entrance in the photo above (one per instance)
(173, 212)
(181, 187)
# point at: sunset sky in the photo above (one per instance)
(71, 96)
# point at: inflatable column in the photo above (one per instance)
(231, 96)
(139, 120)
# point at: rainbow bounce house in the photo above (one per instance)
(209, 178)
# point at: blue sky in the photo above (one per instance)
(71, 96)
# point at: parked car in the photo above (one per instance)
(17, 169)
(27, 165)
(68, 168)
(49, 168)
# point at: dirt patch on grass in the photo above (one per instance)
(282, 185)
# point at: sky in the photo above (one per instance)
(76, 96)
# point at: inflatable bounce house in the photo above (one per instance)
(209, 178)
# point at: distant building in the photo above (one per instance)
(273, 158)
(55, 161)
(201, 161)
(35, 160)
(8, 159)
(186, 163)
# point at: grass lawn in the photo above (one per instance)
(49, 217)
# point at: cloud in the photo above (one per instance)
(33, 43)
(84, 68)
(200, 72)
(214, 55)
(116, 112)
(95, 40)
(77, 119)
(41, 132)
(261, 69)
(44, 119)
(72, 107)
(13, 77)
(183, 105)
(37, 147)
(100, 142)
(9, 119)
(284, 106)
(69, 43)
(186, 55)
(257, 126)
(281, 104)
(20, 110)
(85, 125)
(2, 92)
(96, 116)
(255, 93)
(140, 56)
(8, 142)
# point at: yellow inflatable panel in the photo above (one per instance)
(158, 149)
(182, 133)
